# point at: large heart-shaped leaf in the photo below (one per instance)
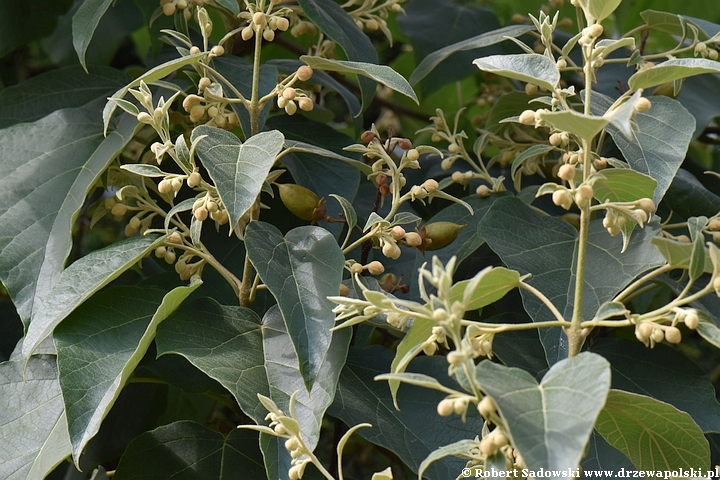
(117, 326)
(32, 419)
(22, 22)
(82, 279)
(414, 431)
(659, 141)
(339, 26)
(46, 169)
(284, 377)
(301, 270)
(189, 450)
(84, 23)
(238, 169)
(653, 434)
(550, 255)
(247, 356)
(549, 423)
(664, 374)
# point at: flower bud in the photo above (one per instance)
(258, 18)
(566, 172)
(430, 349)
(397, 232)
(527, 117)
(692, 320)
(595, 30)
(168, 9)
(375, 268)
(305, 104)
(169, 257)
(247, 33)
(304, 73)
(194, 179)
(531, 88)
(299, 200)
(555, 140)
(144, 117)
(268, 35)
(486, 407)
(201, 213)
(673, 335)
(642, 105)
(413, 154)
(119, 209)
(657, 335)
(483, 191)
(643, 331)
(217, 50)
(344, 290)
(562, 198)
(282, 23)
(160, 252)
(446, 407)
(290, 107)
(413, 239)
(165, 186)
(391, 251)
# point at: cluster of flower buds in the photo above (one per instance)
(268, 24)
(290, 99)
(651, 333)
(618, 213)
(170, 7)
(373, 268)
(452, 404)
(702, 49)
(138, 223)
(208, 205)
(438, 337)
(201, 108)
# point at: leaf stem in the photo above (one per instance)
(541, 296)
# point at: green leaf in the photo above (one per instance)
(225, 343)
(507, 105)
(339, 26)
(534, 151)
(653, 434)
(611, 309)
(454, 449)
(530, 68)
(183, 206)
(708, 330)
(288, 265)
(238, 169)
(466, 21)
(380, 73)
(487, 287)
(623, 185)
(189, 450)
(32, 419)
(68, 87)
(621, 116)
(157, 73)
(584, 126)
(416, 429)
(679, 254)
(550, 255)
(660, 139)
(144, 170)
(247, 356)
(285, 378)
(483, 40)
(23, 22)
(662, 373)
(117, 325)
(599, 10)
(80, 281)
(687, 196)
(549, 423)
(46, 169)
(84, 23)
(672, 70)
